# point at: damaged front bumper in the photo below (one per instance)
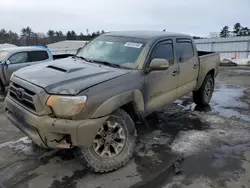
(50, 132)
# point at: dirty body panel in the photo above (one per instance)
(52, 132)
(68, 76)
(104, 89)
(208, 63)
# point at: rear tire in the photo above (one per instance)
(114, 143)
(204, 94)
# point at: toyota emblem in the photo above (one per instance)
(20, 93)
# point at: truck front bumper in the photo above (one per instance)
(50, 132)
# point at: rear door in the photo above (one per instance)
(160, 86)
(189, 66)
(15, 61)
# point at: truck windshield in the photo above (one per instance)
(3, 54)
(123, 51)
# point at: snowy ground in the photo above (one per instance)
(211, 145)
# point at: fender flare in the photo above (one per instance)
(202, 75)
(119, 100)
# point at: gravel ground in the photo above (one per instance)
(185, 146)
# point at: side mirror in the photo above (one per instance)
(158, 64)
(8, 62)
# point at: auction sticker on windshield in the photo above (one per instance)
(133, 45)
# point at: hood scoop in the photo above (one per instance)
(67, 76)
(60, 69)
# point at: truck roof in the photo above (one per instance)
(146, 34)
(22, 48)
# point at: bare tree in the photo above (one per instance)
(41, 35)
(214, 35)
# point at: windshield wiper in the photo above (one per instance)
(106, 63)
(85, 59)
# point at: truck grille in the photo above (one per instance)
(22, 96)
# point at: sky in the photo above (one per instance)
(194, 17)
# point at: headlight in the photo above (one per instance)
(66, 106)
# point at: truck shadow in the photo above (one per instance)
(154, 153)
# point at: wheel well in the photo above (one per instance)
(129, 108)
(211, 72)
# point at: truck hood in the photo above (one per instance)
(68, 76)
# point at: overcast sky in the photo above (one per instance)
(195, 17)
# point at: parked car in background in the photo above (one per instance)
(12, 59)
(92, 100)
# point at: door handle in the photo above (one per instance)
(195, 66)
(175, 73)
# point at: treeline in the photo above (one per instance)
(28, 37)
(238, 31)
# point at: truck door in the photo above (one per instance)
(189, 66)
(23, 59)
(15, 62)
(161, 86)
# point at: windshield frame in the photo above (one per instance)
(133, 39)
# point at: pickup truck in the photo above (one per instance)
(14, 58)
(92, 100)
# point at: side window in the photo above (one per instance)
(164, 50)
(21, 57)
(185, 50)
(38, 56)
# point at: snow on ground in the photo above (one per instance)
(242, 61)
(22, 145)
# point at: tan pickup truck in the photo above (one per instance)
(92, 100)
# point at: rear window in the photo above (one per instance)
(185, 50)
(38, 56)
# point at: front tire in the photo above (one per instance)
(204, 94)
(114, 143)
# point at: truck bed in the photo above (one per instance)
(203, 53)
(209, 57)
(208, 61)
